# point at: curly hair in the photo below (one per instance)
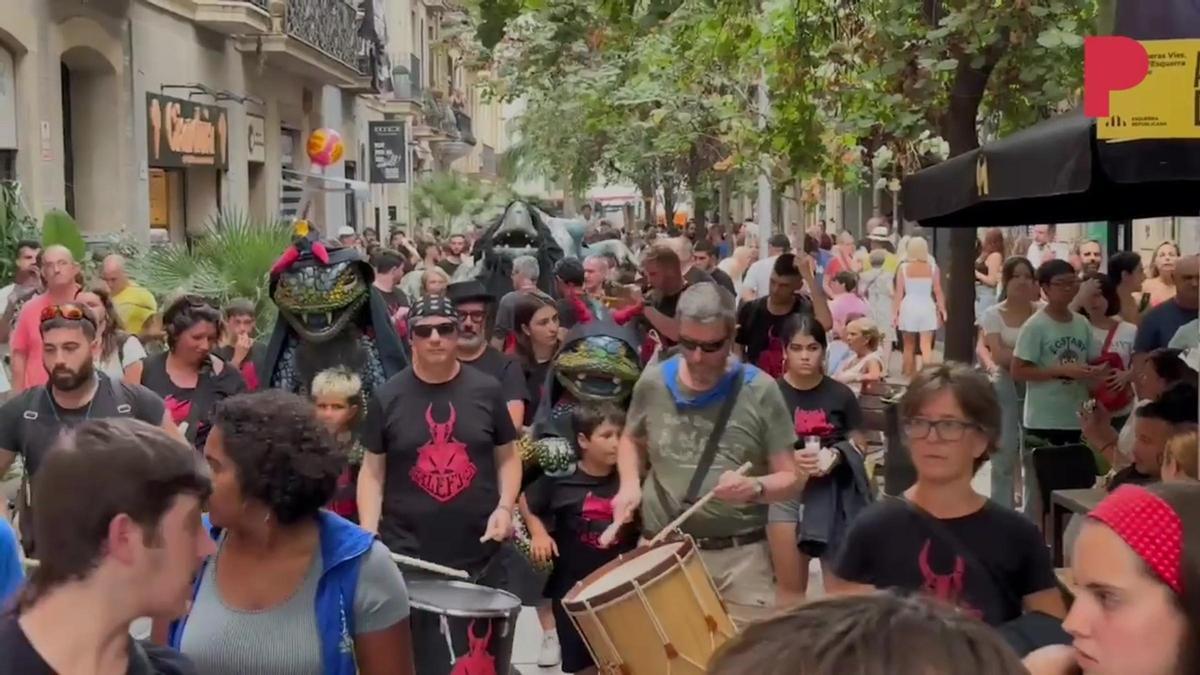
(186, 311)
(284, 458)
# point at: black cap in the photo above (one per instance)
(471, 290)
(569, 271)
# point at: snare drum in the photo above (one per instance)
(460, 628)
(654, 611)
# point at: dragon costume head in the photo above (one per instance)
(520, 230)
(329, 315)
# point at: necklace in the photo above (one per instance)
(87, 413)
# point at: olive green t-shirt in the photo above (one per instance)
(759, 426)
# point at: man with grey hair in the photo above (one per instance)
(525, 273)
(695, 418)
(60, 272)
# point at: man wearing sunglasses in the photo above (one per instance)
(60, 273)
(471, 300)
(440, 477)
(76, 392)
(679, 424)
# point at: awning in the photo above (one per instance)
(1057, 172)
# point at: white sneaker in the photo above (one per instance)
(550, 654)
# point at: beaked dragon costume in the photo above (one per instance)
(521, 230)
(329, 315)
(598, 363)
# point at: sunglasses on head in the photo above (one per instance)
(706, 347)
(69, 311)
(426, 330)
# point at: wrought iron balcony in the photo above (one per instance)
(330, 26)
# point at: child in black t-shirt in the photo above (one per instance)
(567, 515)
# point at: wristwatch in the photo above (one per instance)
(760, 489)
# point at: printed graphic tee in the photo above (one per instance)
(829, 410)
(996, 559)
(576, 509)
(440, 486)
(758, 333)
(1046, 342)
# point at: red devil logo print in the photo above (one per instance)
(812, 423)
(770, 360)
(946, 587)
(596, 511)
(180, 410)
(477, 660)
(443, 468)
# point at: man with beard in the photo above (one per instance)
(471, 300)
(440, 477)
(1091, 257)
(457, 255)
(60, 271)
(759, 320)
(76, 392)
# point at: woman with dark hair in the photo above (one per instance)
(941, 536)
(118, 350)
(291, 588)
(1000, 325)
(537, 338)
(988, 266)
(1110, 335)
(820, 406)
(876, 633)
(1126, 274)
(1136, 575)
(189, 377)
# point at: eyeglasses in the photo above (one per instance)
(947, 430)
(706, 347)
(69, 311)
(476, 316)
(426, 330)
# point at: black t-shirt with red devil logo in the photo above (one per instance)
(829, 410)
(577, 509)
(440, 486)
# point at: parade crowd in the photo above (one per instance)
(153, 471)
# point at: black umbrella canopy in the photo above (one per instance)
(1057, 172)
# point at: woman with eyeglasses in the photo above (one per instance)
(189, 376)
(118, 350)
(940, 536)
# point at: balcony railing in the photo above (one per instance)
(330, 26)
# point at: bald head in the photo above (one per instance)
(1187, 282)
(59, 268)
(113, 273)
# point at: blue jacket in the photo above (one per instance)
(343, 547)
(11, 574)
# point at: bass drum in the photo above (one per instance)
(460, 628)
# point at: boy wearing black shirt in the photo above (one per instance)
(567, 515)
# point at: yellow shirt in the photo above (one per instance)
(890, 263)
(134, 305)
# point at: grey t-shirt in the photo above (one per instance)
(283, 640)
(1045, 342)
(760, 425)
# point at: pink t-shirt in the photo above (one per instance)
(847, 305)
(26, 339)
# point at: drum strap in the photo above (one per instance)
(714, 439)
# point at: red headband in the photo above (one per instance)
(1150, 527)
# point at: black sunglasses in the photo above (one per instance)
(426, 330)
(706, 347)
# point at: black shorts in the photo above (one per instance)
(575, 654)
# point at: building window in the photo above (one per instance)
(8, 164)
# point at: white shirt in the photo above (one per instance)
(1037, 252)
(758, 277)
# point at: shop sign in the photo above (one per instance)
(256, 139)
(388, 148)
(184, 133)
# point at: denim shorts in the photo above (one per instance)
(788, 511)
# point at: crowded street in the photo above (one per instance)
(458, 337)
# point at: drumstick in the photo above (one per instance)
(429, 567)
(611, 533)
(674, 524)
